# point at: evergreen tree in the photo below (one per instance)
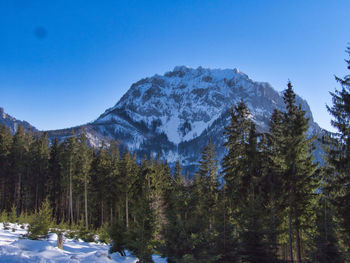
(100, 171)
(68, 162)
(83, 172)
(128, 173)
(235, 162)
(5, 149)
(296, 164)
(19, 165)
(54, 182)
(339, 153)
(327, 249)
(206, 193)
(39, 154)
(140, 235)
(41, 222)
(180, 227)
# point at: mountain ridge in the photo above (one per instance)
(174, 114)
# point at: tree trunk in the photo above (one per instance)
(290, 230)
(85, 201)
(77, 210)
(19, 194)
(127, 210)
(36, 197)
(2, 195)
(297, 239)
(60, 240)
(325, 220)
(70, 192)
(102, 213)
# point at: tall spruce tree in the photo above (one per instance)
(68, 163)
(339, 153)
(296, 160)
(40, 154)
(140, 236)
(54, 182)
(5, 150)
(100, 171)
(83, 170)
(243, 178)
(19, 167)
(235, 165)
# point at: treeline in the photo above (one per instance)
(271, 202)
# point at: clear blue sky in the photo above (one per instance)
(63, 63)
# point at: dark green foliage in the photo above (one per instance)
(253, 243)
(5, 151)
(338, 156)
(292, 161)
(118, 236)
(142, 229)
(326, 243)
(244, 177)
(103, 234)
(85, 233)
(41, 222)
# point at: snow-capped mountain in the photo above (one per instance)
(175, 114)
(12, 123)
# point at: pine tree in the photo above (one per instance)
(205, 195)
(140, 235)
(54, 181)
(245, 172)
(181, 225)
(254, 246)
(19, 165)
(83, 172)
(296, 164)
(128, 173)
(39, 155)
(339, 152)
(5, 148)
(272, 194)
(236, 161)
(100, 171)
(68, 163)
(236, 174)
(327, 249)
(41, 222)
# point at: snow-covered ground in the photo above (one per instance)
(14, 248)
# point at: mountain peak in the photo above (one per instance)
(174, 114)
(217, 73)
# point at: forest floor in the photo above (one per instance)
(15, 248)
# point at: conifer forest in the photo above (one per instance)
(267, 201)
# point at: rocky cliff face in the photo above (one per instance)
(175, 114)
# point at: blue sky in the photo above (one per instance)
(63, 63)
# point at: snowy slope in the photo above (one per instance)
(13, 248)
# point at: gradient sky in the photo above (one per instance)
(63, 63)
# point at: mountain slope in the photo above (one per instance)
(12, 123)
(174, 114)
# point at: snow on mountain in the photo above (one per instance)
(183, 107)
(175, 114)
(12, 123)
